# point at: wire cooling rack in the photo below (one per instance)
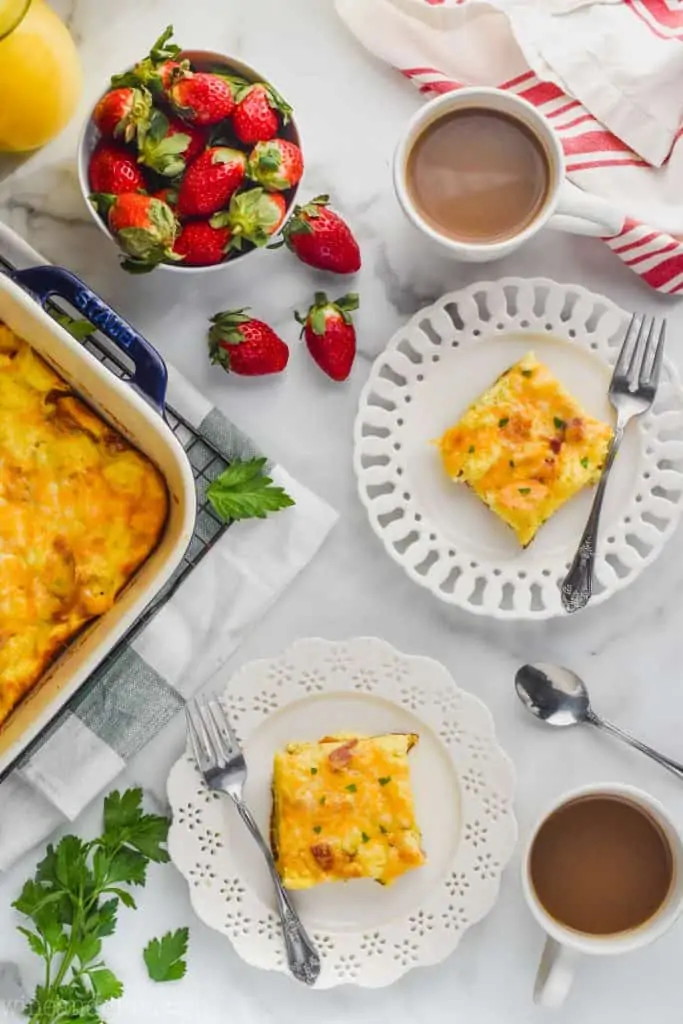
(207, 463)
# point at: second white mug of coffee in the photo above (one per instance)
(603, 875)
(480, 153)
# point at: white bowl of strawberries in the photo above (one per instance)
(189, 161)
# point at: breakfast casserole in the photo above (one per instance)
(342, 809)
(525, 447)
(80, 510)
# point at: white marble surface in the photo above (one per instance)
(350, 111)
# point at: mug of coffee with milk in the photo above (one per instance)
(603, 875)
(480, 171)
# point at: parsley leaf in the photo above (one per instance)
(527, 373)
(317, 829)
(584, 463)
(365, 837)
(470, 450)
(383, 830)
(559, 424)
(314, 771)
(352, 787)
(384, 780)
(504, 422)
(164, 957)
(78, 329)
(243, 491)
(524, 490)
(322, 799)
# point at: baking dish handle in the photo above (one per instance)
(150, 376)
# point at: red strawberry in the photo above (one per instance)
(255, 117)
(157, 69)
(200, 97)
(210, 181)
(144, 227)
(168, 196)
(123, 113)
(320, 238)
(277, 165)
(169, 146)
(202, 245)
(330, 334)
(253, 216)
(112, 169)
(246, 346)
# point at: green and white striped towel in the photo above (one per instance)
(131, 699)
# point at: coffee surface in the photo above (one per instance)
(600, 865)
(478, 175)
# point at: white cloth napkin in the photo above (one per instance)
(180, 648)
(607, 74)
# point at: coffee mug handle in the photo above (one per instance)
(555, 974)
(585, 214)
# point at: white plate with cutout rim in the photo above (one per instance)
(441, 533)
(463, 784)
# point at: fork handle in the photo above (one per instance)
(302, 956)
(577, 588)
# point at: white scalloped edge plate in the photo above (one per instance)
(463, 783)
(442, 534)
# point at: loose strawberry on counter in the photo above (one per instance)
(253, 216)
(113, 170)
(144, 227)
(210, 182)
(157, 69)
(169, 145)
(330, 334)
(123, 113)
(320, 238)
(255, 117)
(200, 97)
(277, 164)
(246, 346)
(202, 245)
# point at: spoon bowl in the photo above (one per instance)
(555, 695)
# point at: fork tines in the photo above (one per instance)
(639, 363)
(212, 738)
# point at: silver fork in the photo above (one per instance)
(632, 391)
(221, 761)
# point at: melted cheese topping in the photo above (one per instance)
(343, 808)
(80, 510)
(526, 447)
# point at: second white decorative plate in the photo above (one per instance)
(441, 533)
(463, 784)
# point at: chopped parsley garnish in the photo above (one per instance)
(314, 771)
(383, 830)
(527, 373)
(470, 450)
(584, 463)
(559, 424)
(352, 788)
(512, 463)
(322, 800)
(317, 829)
(384, 780)
(525, 490)
(365, 837)
(504, 422)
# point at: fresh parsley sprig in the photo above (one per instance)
(72, 904)
(244, 491)
(164, 957)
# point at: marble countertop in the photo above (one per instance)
(350, 111)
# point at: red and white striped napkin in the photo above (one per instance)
(608, 75)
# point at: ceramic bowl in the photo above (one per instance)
(90, 136)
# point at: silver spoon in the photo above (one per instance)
(557, 696)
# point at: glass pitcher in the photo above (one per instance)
(40, 75)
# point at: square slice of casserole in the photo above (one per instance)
(342, 809)
(525, 447)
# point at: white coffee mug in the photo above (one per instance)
(564, 945)
(566, 207)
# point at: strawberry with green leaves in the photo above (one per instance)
(258, 111)
(253, 216)
(169, 146)
(202, 245)
(123, 113)
(320, 238)
(246, 346)
(112, 169)
(156, 71)
(144, 227)
(276, 165)
(211, 181)
(200, 97)
(330, 334)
